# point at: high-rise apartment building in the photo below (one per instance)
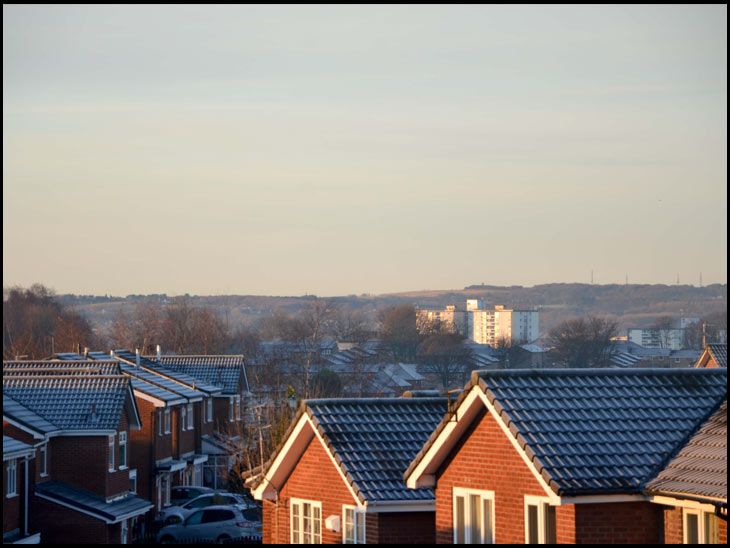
(487, 325)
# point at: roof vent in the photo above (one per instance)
(137, 355)
(94, 417)
(159, 352)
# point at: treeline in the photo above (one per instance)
(36, 324)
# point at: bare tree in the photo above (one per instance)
(584, 342)
(446, 356)
(664, 325)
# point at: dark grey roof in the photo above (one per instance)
(13, 448)
(599, 431)
(83, 501)
(719, 353)
(61, 367)
(170, 398)
(71, 402)
(224, 371)
(700, 468)
(374, 440)
(17, 412)
(152, 372)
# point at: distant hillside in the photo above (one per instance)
(631, 305)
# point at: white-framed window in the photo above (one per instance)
(168, 421)
(473, 516)
(210, 409)
(122, 450)
(353, 530)
(44, 460)
(11, 487)
(164, 492)
(539, 520)
(306, 522)
(183, 417)
(160, 422)
(699, 527)
(133, 481)
(111, 452)
(125, 532)
(231, 401)
(190, 416)
(238, 408)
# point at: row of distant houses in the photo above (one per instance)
(93, 443)
(634, 455)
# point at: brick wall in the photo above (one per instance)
(81, 461)
(14, 507)
(59, 525)
(485, 459)
(142, 446)
(316, 479)
(619, 523)
(403, 527)
(674, 526)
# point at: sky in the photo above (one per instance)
(335, 150)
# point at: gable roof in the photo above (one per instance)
(699, 471)
(586, 431)
(223, 371)
(78, 402)
(716, 352)
(372, 441)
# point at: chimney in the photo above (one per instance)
(159, 353)
(137, 354)
(86, 351)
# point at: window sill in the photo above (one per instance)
(11, 496)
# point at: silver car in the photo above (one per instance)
(175, 514)
(212, 524)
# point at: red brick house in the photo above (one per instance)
(166, 450)
(714, 355)
(224, 409)
(337, 477)
(561, 456)
(18, 484)
(692, 488)
(79, 418)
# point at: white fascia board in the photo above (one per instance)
(70, 433)
(18, 454)
(137, 420)
(424, 473)
(297, 441)
(401, 506)
(598, 499)
(30, 539)
(27, 429)
(554, 498)
(685, 503)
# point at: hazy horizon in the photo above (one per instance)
(336, 150)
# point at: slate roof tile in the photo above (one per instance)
(600, 430)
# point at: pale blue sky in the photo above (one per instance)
(349, 149)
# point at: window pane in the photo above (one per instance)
(460, 534)
(295, 523)
(349, 526)
(488, 539)
(475, 521)
(360, 527)
(692, 529)
(711, 529)
(532, 524)
(550, 528)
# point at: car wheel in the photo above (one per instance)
(223, 539)
(167, 540)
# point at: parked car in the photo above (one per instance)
(211, 524)
(177, 513)
(183, 493)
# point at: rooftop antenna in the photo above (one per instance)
(677, 278)
(591, 277)
(627, 279)
(700, 279)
